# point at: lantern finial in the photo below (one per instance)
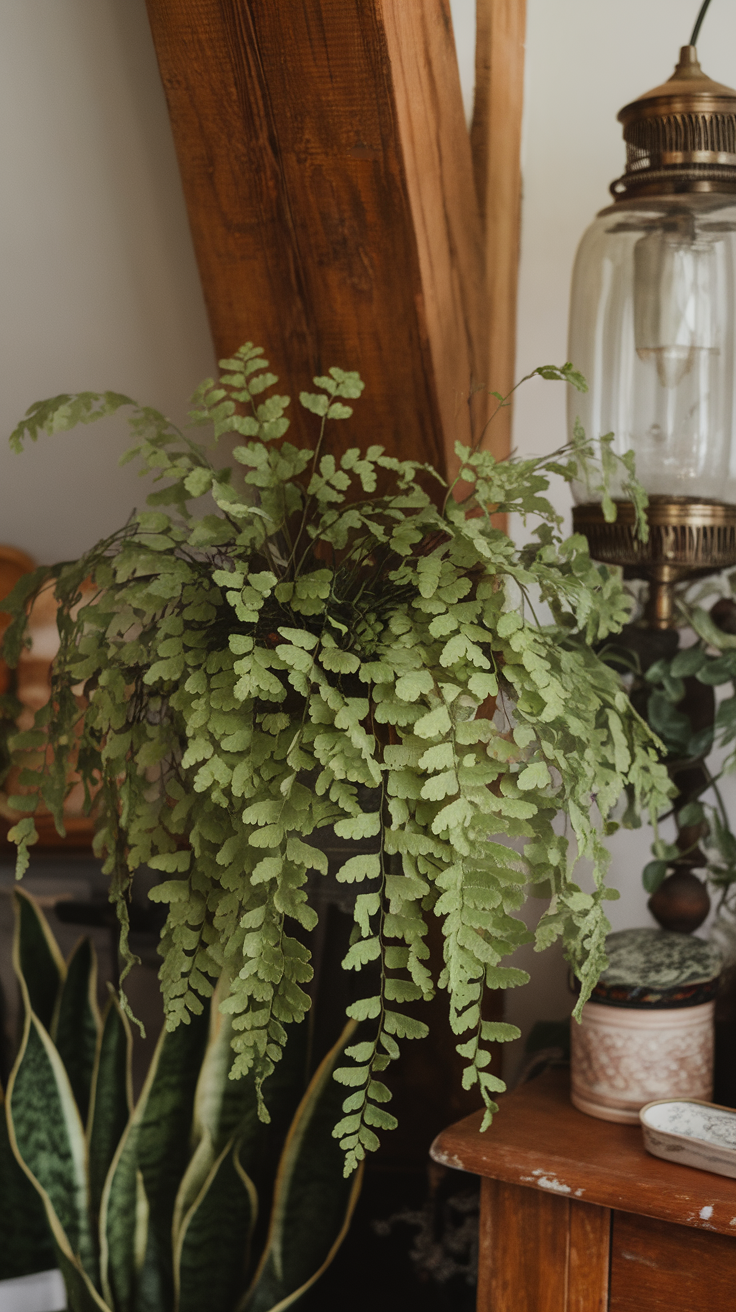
(680, 136)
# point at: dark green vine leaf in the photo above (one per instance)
(692, 814)
(654, 874)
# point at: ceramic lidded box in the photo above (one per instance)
(692, 1133)
(647, 1032)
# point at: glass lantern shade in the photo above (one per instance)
(652, 328)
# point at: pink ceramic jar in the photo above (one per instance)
(647, 1033)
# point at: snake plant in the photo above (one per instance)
(182, 1201)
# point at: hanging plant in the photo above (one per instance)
(344, 642)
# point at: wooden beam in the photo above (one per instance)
(329, 181)
(496, 144)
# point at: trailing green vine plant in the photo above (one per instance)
(700, 749)
(325, 646)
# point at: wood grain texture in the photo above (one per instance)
(31, 684)
(657, 1267)
(540, 1140)
(541, 1252)
(523, 1252)
(496, 146)
(328, 178)
(589, 1255)
(444, 209)
(13, 565)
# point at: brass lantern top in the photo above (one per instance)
(680, 137)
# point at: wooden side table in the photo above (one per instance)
(577, 1217)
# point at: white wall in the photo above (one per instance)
(98, 284)
(463, 26)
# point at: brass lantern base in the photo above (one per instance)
(686, 538)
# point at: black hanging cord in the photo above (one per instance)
(699, 22)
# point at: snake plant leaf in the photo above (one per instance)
(26, 1245)
(227, 1110)
(261, 1145)
(80, 1292)
(76, 1025)
(47, 1138)
(156, 1144)
(313, 1202)
(223, 1108)
(212, 1251)
(81, 1295)
(111, 1099)
(221, 1105)
(36, 957)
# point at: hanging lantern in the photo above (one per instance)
(653, 329)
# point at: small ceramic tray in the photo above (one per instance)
(691, 1132)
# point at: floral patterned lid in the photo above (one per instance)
(658, 968)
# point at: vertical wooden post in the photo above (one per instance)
(523, 1249)
(589, 1258)
(444, 209)
(496, 144)
(541, 1251)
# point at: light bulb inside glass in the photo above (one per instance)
(653, 329)
(675, 297)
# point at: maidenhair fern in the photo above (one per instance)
(316, 652)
